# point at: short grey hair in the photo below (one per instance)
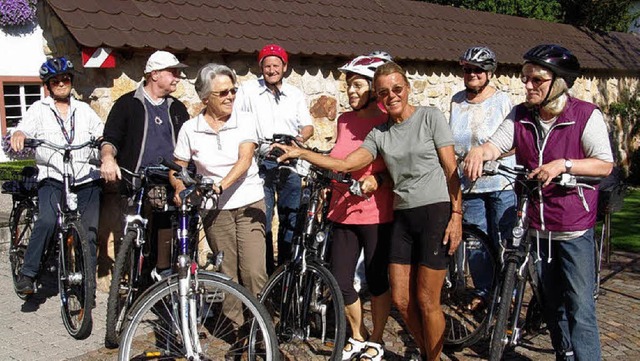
(207, 73)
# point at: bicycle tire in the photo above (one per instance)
(76, 281)
(499, 336)
(122, 291)
(153, 330)
(300, 332)
(20, 226)
(465, 327)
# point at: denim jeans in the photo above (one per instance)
(287, 185)
(494, 213)
(568, 283)
(49, 193)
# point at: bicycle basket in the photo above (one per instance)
(611, 193)
(25, 182)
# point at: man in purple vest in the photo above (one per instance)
(554, 133)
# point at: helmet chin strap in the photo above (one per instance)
(479, 90)
(548, 100)
(370, 100)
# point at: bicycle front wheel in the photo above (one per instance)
(20, 226)
(465, 317)
(227, 321)
(76, 281)
(125, 287)
(499, 336)
(308, 312)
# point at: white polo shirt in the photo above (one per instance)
(215, 153)
(286, 114)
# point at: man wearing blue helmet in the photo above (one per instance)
(59, 118)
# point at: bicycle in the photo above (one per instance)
(518, 263)
(69, 246)
(131, 270)
(24, 212)
(302, 295)
(195, 314)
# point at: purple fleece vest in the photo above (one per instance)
(563, 208)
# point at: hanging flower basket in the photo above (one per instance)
(17, 12)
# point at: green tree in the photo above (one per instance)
(603, 15)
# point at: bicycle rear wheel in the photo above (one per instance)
(466, 322)
(126, 286)
(230, 324)
(500, 336)
(76, 281)
(308, 311)
(20, 226)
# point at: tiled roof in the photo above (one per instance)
(409, 30)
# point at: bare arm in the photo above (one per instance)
(477, 156)
(177, 183)
(356, 160)
(453, 233)
(245, 157)
(306, 132)
(109, 169)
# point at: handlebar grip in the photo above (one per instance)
(32, 143)
(95, 162)
(169, 164)
(588, 179)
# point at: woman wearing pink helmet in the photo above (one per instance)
(362, 223)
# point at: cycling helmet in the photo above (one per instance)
(364, 65)
(557, 59)
(273, 50)
(480, 56)
(55, 66)
(381, 54)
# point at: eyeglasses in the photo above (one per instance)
(65, 79)
(473, 70)
(225, 93)
(397, 89)
(535, 81)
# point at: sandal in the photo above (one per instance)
(355, 347)
(375, 347)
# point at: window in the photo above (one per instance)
(18, 93)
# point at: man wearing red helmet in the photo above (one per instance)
(279, 108)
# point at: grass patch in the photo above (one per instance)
(625, 224)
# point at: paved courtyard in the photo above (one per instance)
(33, 330)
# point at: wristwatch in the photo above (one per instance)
(568, 164)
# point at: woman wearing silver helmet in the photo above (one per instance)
(552, 133)
(476, 112)
(362, 223)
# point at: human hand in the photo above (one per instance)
(473, 163)
(453, 233)
(290, 151)
(368, 184)
(179, 187)
(546, 172)
(109, 169)
(17, 141)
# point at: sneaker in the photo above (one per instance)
(24, 285)
(160, 274)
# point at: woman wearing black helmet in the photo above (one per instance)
(554, 133)
(476, 113)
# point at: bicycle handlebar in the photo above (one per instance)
(35, 142)
(567, 180)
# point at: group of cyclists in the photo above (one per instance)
(405, 158)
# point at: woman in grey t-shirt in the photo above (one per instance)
(417, 147)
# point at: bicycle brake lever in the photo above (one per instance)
(490, 167)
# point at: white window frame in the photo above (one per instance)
(21, 82)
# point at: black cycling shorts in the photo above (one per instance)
(417, 236)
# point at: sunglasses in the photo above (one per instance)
(535, 81)
(473, 70)
(397, 89)
(65, 79)
(225, 93)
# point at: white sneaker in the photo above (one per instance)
(159, 276)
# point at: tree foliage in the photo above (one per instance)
(603, 15)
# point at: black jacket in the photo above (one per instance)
(126, 124)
